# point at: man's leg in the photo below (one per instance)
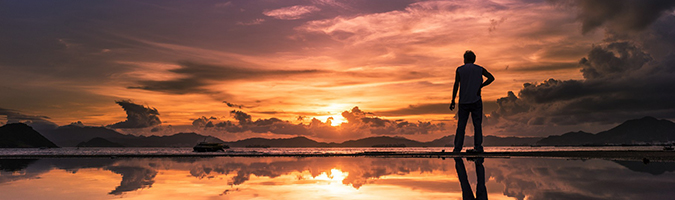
(462, 118)
(477, 118)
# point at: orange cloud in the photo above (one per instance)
(292, 12)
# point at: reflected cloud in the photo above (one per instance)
(133, 178)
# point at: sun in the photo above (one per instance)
(336, 120)
(334, 114)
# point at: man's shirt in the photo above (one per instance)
(470, 79)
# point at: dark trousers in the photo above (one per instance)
(476, 111)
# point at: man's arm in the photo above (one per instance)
(454, 91)
(489, 76)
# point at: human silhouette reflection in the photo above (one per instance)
(481, 190)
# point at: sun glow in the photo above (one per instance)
(334, 114)
(336, 120)
(338, 175)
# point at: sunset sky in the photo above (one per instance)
(333, 70)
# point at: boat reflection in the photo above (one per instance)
(333, 178)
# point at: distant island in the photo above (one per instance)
(644, 131)
(19, 135)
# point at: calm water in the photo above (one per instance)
(261, 151)
(332, 178)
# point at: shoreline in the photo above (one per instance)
(621, 155)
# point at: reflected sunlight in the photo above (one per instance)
(315, 178)
(336, 175)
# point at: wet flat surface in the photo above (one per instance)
(333, 178)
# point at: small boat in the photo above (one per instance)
(210, 147)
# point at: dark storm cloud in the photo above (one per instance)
(622, 80)
(37, 122)
(547, 67)
(621, 83)
(621, 15)
(138, 116)
(198, 76)
(555, 90)
(616, 59)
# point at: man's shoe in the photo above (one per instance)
(474, 151)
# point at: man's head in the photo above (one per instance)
(469, 57)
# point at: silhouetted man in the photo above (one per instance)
(470, 78)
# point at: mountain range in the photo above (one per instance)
(637, 131)
(380, 141)
(72, 135)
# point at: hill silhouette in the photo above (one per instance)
(487, 141)
(176, 140)
(570, 138)
(647, 129)
(72, 135)
(636, 131)
(281, 142)
(375, 141)
(99, 142)
(383, 140)
(19, 135)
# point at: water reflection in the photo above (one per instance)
(334, 178)
(481, 190)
